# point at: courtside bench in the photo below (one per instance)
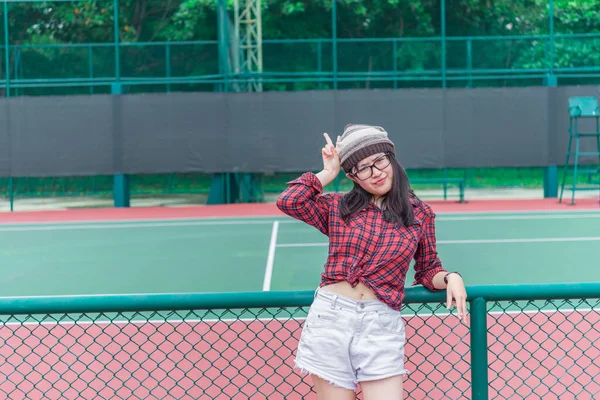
(459, 182)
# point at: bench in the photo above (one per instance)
(460, 182)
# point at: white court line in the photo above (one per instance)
(197, 321)
(242, 219)
(532, 212)
(226, 220)
(517, 217)
(271, 258)
(28, 227)
(474, 241)
(122, 226)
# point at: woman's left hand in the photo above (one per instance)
(457, 295)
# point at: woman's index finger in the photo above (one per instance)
(328, 139)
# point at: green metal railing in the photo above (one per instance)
(116, 67)
(524, 341)
(290, 64)
(304, 64)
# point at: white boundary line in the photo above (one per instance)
(473, 241)
(541, 213)
(517, 217)
(271, 258)
(167, 222)
(196, 321)
(133, 225)
(141, 220)
(532, 212)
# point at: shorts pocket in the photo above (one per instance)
(321, 317)
(391, 322)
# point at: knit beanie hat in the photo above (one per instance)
(361, 141)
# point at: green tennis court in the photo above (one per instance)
(254, 254)
(228, 352)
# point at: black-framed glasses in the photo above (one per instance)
(366, 171)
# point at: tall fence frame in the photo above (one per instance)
(226, 77)
(225, 186)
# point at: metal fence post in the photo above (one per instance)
(470, 61)
(479, 348)
(117, 41)
(121, 193)
(91, 67)
(168, 65)
(11, 193)
(6, 51)
(551, 32)
(223, 45)
(334, 42)
(550, 181)
(7, 90)
(443, 24)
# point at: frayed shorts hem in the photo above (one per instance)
(299, 365)
(304, 369)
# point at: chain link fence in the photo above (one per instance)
(222, 349)
(544, 349)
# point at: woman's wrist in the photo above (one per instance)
(449, 275)
(326, 177)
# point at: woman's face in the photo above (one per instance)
(374, 174)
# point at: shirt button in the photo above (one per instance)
(362, 306)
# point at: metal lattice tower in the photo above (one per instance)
(248, 33)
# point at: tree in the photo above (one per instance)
(143, 21)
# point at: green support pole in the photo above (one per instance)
(168, 65)
(121, 191)
(320, 60)
(91, 67)
(479, 349)
(334, 42)
(11, 193)
(220, 188)
(445, 183)
(443, 24)
(7, 90)
(470, 62)
(550, 79)
(551, 181)
(6, 51)
(223, 39)
(395, 62)
(216, 195)
(121, 195)
(551, 172)
(116, 40)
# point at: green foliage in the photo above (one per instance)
(92, 21)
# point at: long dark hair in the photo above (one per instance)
(396, 205)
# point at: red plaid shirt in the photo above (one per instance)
(367, 249)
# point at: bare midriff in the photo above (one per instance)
(359, 292)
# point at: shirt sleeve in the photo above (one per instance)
(427, 260)
(304, 200)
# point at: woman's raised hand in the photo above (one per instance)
(331, 158)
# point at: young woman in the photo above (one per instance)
(354, 332)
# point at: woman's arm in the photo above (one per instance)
(430, 272)
(304, 200)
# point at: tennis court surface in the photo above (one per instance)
(248, 353)
(173, 255)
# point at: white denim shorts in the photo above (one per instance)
(345, 342)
